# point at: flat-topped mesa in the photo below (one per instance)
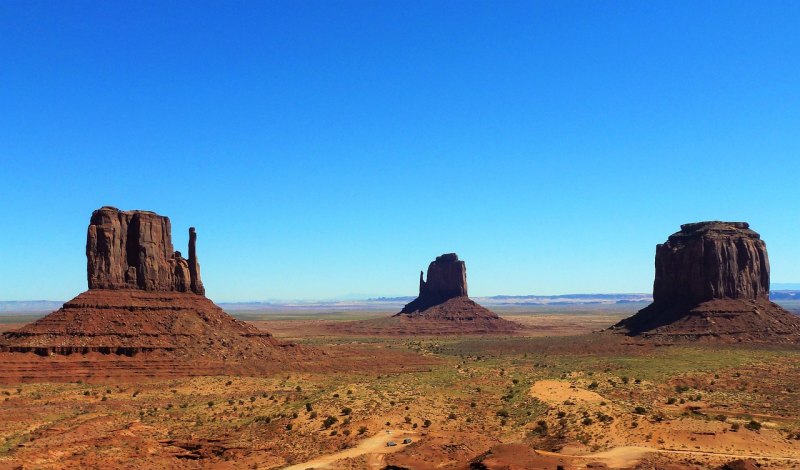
(711, 260)
(447, 279)
(133, 250)
(712, 281)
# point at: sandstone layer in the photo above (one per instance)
(128, 322)
(712, 281)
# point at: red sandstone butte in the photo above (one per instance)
(712, 281)
(145, 301)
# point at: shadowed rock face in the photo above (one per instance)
(711, 260)
(712, 280)
(447, 279)
(133, 250)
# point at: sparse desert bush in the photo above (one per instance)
(640, 410)
(309, 407)
(346, 410)
(671, 400)
(541, 428)
(592, 386)
(587, 421)
(753, 425)
(722, 418)
(502, 414)
(329, 421)
(312, 415)
(451, 416)
(426, 423)
(362, 430)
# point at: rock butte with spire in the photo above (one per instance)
(145, 301)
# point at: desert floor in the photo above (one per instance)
(556, 394)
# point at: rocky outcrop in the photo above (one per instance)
(711, 260)
(447, 279)
(133, 250)
(712, 280)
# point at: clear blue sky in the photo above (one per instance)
(325, 149)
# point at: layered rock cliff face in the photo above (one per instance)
(712, 280)
(133, 250)
(711, 260)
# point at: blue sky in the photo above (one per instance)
(328, 149)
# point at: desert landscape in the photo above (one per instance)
(538, 399)
(399, 235)
(142, 370)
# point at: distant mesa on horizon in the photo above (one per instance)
(712, 282)
(444, 305)
(447, 279)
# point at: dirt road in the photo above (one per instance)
(371, 445)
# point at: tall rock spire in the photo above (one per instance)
(194, 267)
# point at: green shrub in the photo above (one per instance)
(329, 421)
(753, 425)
